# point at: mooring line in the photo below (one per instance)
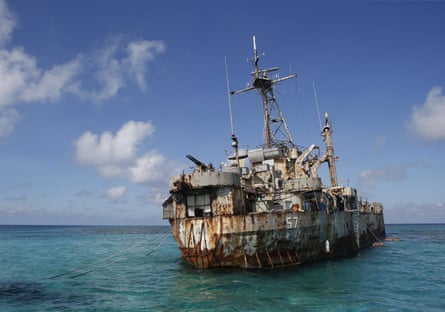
(94, 263)
(78, 271)
(166, 235)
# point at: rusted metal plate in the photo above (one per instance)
(262, 240)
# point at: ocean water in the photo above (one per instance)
(106, 268)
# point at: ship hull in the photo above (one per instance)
(274, 239)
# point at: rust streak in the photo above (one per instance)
(281, 258)
(269, 258)
(290, 257)
(258, 260)
(298, 257)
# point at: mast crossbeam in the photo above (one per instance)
(276, 131)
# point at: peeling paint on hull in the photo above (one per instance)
(263, 240)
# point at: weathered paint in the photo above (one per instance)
(276, 212)
(268, 240)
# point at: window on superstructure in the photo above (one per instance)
(198, 205)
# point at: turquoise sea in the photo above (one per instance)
(120, 268)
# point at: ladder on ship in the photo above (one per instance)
(356, 226)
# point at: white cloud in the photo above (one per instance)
(7, 22)
(148, 168)
(52, 83)
(112, 170)
(8, 118)
(115, 194)
(108, 72)
(117, 156)
(111, 71)
(139, 53)
(23, 81)
(427, 121)
(107, 149)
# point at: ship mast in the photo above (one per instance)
(274, 122)
(326, 133)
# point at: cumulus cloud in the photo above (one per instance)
(23, 81)
(117, 156)
(145, 168)
(109, 68)
(427, 120)
(108, 149)
(116, 194)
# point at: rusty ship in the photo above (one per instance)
(267, 207)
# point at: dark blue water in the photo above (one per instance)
(50, 268)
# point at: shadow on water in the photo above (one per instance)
(11, 291)
(21, 294)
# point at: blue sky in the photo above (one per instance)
(101, 100)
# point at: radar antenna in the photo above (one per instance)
(233, 136)
(276, 131)
(316, 104)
